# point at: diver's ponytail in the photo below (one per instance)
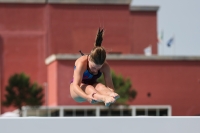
(99, 38)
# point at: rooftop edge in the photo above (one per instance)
(143, 8)
(69, 1)
(23, 1)
(55, 57)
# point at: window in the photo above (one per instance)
(127, 112)
(152, 111)
(163, 112)
(115, 112)
(91, 113)
(79, 112)
(68, 113)
(140, 112)
(55, 113)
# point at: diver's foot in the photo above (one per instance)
(114, 95)
(108, 100)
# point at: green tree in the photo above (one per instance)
(21, 92)
(123, 87)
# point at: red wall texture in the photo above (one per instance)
(175, 83)
(29, 33)
(74, 27)
(23, 35)
(144, 31)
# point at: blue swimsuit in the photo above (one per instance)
(89, 78)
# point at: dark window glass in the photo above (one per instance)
(68, 113)
(152, 112)
(115, 113)
(140, 112)
(163, 112)
(80, 113)
(127, 112)
(104, 113)
(55, 113)
(91, 113)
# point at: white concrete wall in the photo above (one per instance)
(101, 125)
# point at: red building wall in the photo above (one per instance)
(143, 31)
(29, 33)
(125, 31)
(169, 82)
(52, 76)
(172, 83)
(23, 35)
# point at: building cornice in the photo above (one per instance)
(113, 2)
(144, 8)
(130, 57)
(94, 2)
(24, 1)
(121, 2)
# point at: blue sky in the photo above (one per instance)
(179, 19)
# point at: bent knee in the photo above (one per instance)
(89, 89)
(100, 86)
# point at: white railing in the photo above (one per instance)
(63, 111)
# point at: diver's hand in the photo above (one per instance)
(91, 99)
